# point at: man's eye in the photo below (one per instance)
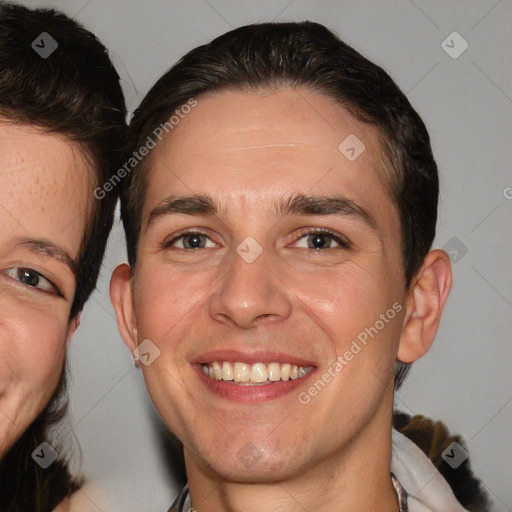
(32, 278)
(321, 240)
(190, 241)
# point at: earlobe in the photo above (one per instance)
(424, 308)
(121, 297)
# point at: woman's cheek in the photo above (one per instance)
(32, 357)
(46, 345)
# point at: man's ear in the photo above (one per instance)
(424, 306)
(121, 296)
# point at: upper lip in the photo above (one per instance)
(249, 357)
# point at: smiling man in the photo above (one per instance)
(281, 277)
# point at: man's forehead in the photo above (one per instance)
(226, 147)
(285, 118)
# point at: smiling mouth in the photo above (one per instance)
(246, 374)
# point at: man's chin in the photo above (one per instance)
(249, 463)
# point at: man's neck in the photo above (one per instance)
(358, 478)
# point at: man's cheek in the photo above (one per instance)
(156, 307)
(327, 297)
(169, 393)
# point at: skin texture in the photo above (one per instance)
(43, 179)
(247, 150)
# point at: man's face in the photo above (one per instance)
(269, 278)
(43, 199)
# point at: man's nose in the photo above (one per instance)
(250, 293)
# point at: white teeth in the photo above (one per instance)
(285, 371)
(257, 373)
(227, 371)
(241, 372)
(217, 370)
(274, 372)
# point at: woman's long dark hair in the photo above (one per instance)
(24, 484)
(75, 92)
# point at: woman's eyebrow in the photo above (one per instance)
(295, 204)
(46, 247)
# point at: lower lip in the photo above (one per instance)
(256, 393)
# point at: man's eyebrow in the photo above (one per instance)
(297, 204)
(300, 204)
(189, 205)
(47, 247)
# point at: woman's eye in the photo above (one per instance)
(320, 240)
(190, 241)
(32, 278)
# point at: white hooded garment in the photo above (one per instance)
(428, 491)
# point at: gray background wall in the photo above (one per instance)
(466, 103)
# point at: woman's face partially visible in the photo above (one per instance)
(43, 213)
